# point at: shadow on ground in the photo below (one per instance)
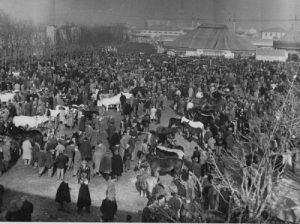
(46, 209)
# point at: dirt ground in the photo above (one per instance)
(24, 181)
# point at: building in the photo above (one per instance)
(156, 34)
(275, 33)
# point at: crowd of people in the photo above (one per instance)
(73, 142)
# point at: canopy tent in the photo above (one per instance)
(213, 37)
(266, 54)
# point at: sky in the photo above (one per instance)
(258, 14)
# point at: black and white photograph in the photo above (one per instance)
(150, 111)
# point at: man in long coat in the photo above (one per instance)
(85, 149)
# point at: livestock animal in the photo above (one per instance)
(193, 124)
(31, 122)
(5, 97)
(165, 165)
(115, 100)
(175, 121)
(19, 134)
(162, 133)
(164, 152)
(194, 128)
(145, 183)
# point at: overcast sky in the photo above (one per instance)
(250, 13)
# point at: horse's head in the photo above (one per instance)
(184, 119)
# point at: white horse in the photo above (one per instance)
(193, 124)
(32, 122)
(115, 100)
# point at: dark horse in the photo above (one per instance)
(174, 152)
(164, 165)
(175, 121)
(19, 134)
(162, 133)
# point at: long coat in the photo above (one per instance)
(108, 209)
(63, 193)
(106, 163)
(98, 156)
(84, 197)
(117, 165)
(85, 149)
(27, 148)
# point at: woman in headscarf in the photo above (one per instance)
(109, 205)
(106, 164)
(84, 197)
(63, 195)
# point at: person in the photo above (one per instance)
(13, 213)
(1, 196)
(41, 158)
(85, 149)
(49, 162)
(34, 156)
(109, 205)
(6, 154)
(61, 162)
(106, 164)
(60, 147)
(84, 198)
(63, 195)
(117, 165)
(77, 161)
(153, 113)
(97, 157)
(175, 205)
(70, 149)
(158, 115)
(84, 173)
(196, 155)
(27, 148)
(26, 210)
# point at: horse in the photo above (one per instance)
(165, 165)
(164, 152)
(89, 113)
(162, 133)
(174, 121)
(115, 100)
(20, 134)
(193, 127)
